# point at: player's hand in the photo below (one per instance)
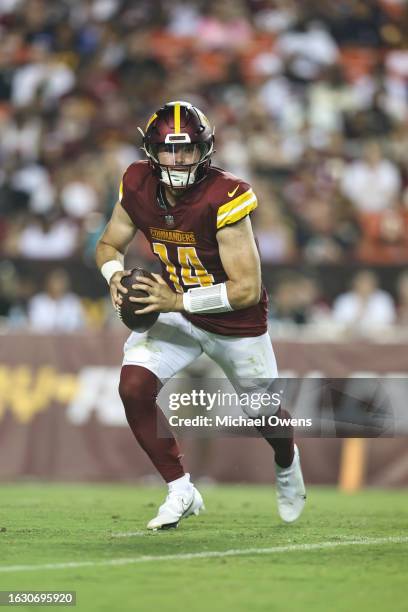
(161, 298)
(116, 287)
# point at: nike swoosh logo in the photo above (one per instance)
(232, 193)
(186, 507)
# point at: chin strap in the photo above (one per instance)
(177, 178)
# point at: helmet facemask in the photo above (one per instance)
(179, 163)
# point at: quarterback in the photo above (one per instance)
(210, 297)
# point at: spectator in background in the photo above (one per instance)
(307, 48)
(33, 179)
(402, 299)
(373, 183)
(44, 74)
(224, 25)
(47, 238)
(20, 135)
(366, 306)
(329, 98)
(275, 16)
(57, 309)
(284, 305)
(13, 296)
(78, 196)
(273, 230)
(317, 232)
(12, 200)
(184, 18)
(295, 299)
(233, 154)
(385, 237)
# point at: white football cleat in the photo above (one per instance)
(290, 490)
(178, 505)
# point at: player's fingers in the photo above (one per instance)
(146, 281)
(116, 301)
(114, 293)
(116, 281)
(159, 279)
(120, 287)
(142, 287)
(142, 300)
(117, 298)
(150, 308)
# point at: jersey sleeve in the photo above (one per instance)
(237, 203)
(124, 191)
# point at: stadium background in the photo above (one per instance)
(309, 101)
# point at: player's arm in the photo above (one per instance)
(111, 249)
(240, 260)
(239, 257)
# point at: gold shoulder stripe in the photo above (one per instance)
(238, 213)
(224, 208)
(230, 207)
(120, 191)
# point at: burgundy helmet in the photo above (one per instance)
(179, 142)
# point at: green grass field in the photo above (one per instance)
(54, 524)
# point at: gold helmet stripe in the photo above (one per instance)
(152, 118)
(177, 118)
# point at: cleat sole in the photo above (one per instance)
(168, 526)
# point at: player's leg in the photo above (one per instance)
(149, 358)
(138, 389)
(249, 359)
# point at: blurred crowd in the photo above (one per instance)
(364, 309)
(309, 101)
(297, 299)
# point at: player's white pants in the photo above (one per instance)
(173, 343)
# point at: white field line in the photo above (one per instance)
(208, 554)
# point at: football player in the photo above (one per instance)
(196, 218)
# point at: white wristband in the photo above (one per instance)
(207, 299)
(110, 267)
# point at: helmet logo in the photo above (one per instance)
(177, 138)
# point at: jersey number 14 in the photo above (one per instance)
(192, 270)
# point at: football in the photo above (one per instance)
(126, 311)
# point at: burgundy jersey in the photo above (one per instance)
(184, 237)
